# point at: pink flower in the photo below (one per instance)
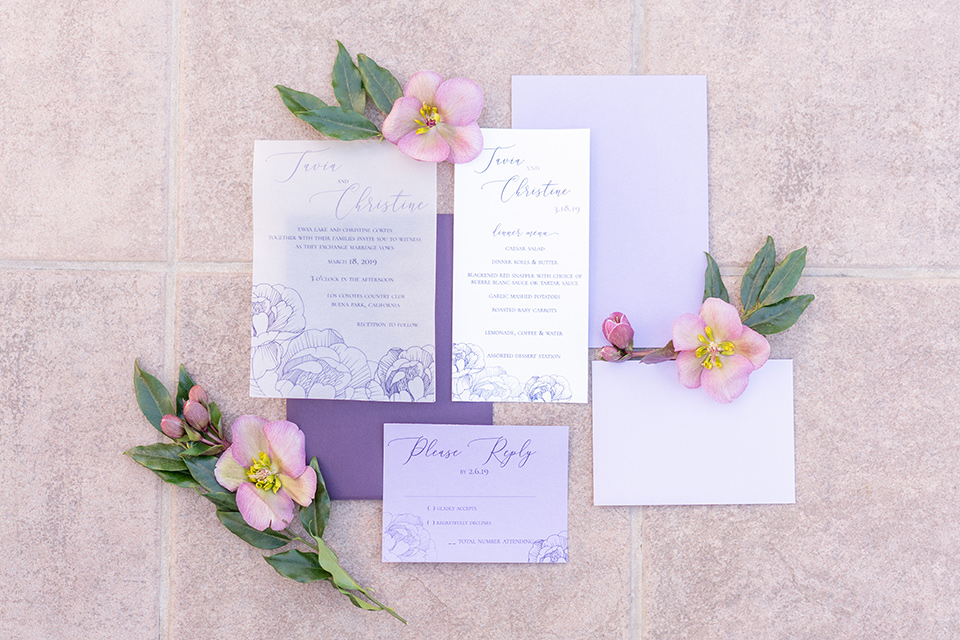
(266, 466)
(618, 332)
(172, 426)
(715, 349)
(436, 120)
(612, 354)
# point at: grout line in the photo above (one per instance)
(173, 266)
(637, 63)
(170, 323)
(148, 267)
(635, 568)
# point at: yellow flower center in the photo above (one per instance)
(262, 474)
(711, 350)
(429, 118)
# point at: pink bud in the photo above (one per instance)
(197, 393)
(617, 331)
(172, 426)
(196, 414)
(611, 354)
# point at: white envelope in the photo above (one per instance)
(656, 442)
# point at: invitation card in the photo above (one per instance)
(520, 268)
(648, 195)
(347, 437)
(671, 445)
(343, 272)
(455, 493)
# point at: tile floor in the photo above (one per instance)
(125, 232)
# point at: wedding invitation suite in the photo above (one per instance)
(520, 268)
(648, 196)
(454, 493)
(347, 437)
(343, 273)
(670, 445)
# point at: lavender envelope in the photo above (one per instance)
(347, 437)
(648, 189)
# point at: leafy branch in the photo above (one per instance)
(190, 462)
(352, 83)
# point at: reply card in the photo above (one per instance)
(520, 268)
(344, 272)
(454, 493)
(656, 442)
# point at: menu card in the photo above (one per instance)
(520, 268)
(343, 272)
(648, 178)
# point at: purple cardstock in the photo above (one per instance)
(347, 437)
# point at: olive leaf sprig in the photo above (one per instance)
(190, 462)
(352, 84)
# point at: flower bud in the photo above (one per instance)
(618, 332)
(196, 414)
(172, 426)
(198, 394)
(611, 354)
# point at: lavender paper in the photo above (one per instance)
(648, 189)
(347, 437)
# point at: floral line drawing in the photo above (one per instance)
(474, 381)
(405, 539)
(289, 360)
(549, 550)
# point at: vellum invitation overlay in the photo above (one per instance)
(520, 268)
(469, 493)
(344, 265)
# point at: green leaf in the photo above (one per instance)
(159, 457)
(339, 123)
(201, 468)
(197, 449)
(757, 274)
(298, 101)
(357, 602)
(329, 561)
(215, 416)
(379, 84)
(712, 282)
(780, 316)
(223, 501)
(784, 278)
(314, 517)
(267, 539)
(179, 478)
(663, 354)
(347, 83)
(152, 396)
(184, 384)
(297, 565)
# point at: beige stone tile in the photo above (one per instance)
(587, 598)
(80, 522)
(869, 550)
(213, 341)
(831, 124)
(83, 137)
(233, 57)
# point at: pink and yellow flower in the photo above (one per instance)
(717, 351)
(436, 120)
(266, 466)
